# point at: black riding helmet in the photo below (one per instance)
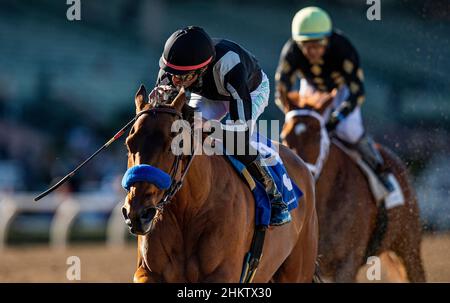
(186, 50)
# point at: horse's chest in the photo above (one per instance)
(171, 266)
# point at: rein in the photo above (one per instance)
(315, 168)
(175, 184)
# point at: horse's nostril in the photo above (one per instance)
(124, 213)
(148, 213)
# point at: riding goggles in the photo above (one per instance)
(186, 77)
(321, 42)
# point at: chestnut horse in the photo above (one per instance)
(352, 226)
(207, 228)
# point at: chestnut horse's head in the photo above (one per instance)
(151, 161)
(304, 128)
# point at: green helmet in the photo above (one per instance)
(311, 23)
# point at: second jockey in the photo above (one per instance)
(326, 61)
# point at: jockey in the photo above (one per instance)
(224, 81)
(326, 62)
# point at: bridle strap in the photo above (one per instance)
(175, 185)
(315, 168)
(305, 112)
(155, 110)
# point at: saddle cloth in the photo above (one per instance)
(289, 190)
(379, 193)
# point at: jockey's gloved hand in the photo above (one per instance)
(334, 120)
(338, 115)
(162, 94)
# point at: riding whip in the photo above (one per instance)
(72, 173)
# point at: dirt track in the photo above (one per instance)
(101, 264)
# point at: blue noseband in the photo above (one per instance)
(146, 173)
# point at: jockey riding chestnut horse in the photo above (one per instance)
(353, 224)
(209, 219)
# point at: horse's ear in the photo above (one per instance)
(139, 99)
(287, 101)
(179, 100)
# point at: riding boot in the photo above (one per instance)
(279, 210)
(371, 155)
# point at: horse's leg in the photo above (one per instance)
(407, 241)
(142, 275)
(403, 237)
(347, 270)
(404, 229)
(300, 265)
(393, 269)
(407, 248)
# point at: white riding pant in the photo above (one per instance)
(217, 110)
(351, 129)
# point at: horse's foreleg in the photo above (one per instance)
(408, 250)
(347, 269)
(300, 266)
(142, 275)
(404, 222)
(223, 274)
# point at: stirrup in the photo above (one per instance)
(385, 180)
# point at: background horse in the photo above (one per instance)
(352, 227)
(206, 230)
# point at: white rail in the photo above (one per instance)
(66, 209)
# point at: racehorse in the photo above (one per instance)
(203, 234)
(352, 226)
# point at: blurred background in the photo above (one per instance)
(67, 86)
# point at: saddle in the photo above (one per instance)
(289, 191)
(379, 192)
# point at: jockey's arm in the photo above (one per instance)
(241, 106)
(240, 111)
(285, 76)
(354, 80)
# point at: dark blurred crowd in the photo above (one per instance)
(48, 131)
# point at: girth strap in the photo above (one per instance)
(253, 257)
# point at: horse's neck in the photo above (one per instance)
(168, 246)
(323, 157)
(197, 184)
(334, 161)
(336, 171)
